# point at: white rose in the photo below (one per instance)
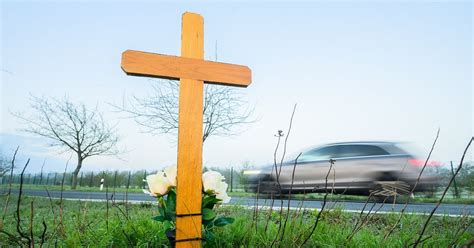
(158, 184)
(224, 197)
(170, 173)
(213, 183)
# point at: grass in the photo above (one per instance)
(420, 198)
(79, 188)
(357, 198)
(85, 224)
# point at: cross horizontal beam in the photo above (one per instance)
(138, 63)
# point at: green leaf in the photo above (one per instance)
(209, 201)
(208, 224)
(159, 218)
(208, 214)
(209, 235)
(167, 225)
(171, 201)
(161, 211)
(222, 221)
(171, 205)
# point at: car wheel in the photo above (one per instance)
(267, 187)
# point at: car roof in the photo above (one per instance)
(362, 143)
(391, 147)
(385, 144)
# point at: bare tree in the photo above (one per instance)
(224, 110)
(72, 127)
(5, 165)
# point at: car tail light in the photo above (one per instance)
(421, 162)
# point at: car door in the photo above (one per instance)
(355, 163)
(311, 168)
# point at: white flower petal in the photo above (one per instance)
(213, 183)
(158, 184)
(148, 193)
(171, 172)
(224, 197)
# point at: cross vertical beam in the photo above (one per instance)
(189, 184)
(192, 71)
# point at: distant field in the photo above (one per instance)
(98, 224)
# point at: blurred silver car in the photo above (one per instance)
(378, 168)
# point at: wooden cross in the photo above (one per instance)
(193, 72)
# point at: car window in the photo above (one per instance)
(392, 149)
(359, 151)
(318, 154)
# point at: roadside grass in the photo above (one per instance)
(131, 189)
(419, 198)
(96, 224)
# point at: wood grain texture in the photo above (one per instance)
(193, 72)
(189, 181)
(172, 67)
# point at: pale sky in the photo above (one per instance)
(393, 71)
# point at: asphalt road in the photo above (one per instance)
(420, 208)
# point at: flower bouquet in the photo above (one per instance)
(162, 185)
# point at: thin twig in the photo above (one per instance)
(61, 203)
(349, 237)
(331, 161)
(107, 204)
(18, 203)
(286, 138)
(279, 173)
(41, 174)
(13, 238)
(413, 189)
(289, 197)
(43, 235)
(279, 135)
(126, 195)
(113, 193)
(51, 204)
(32, 238)
(424, 239)
(10, 184)
(443, 195)
(255, 211)
(130, 243)
(365, 220)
